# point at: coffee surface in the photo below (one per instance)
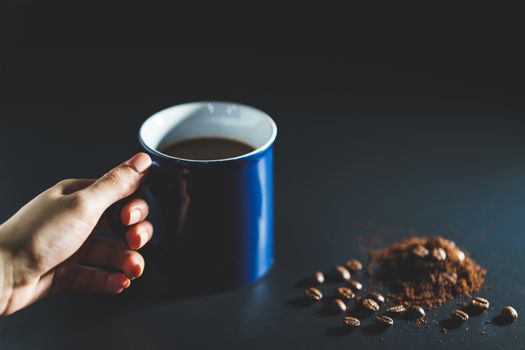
(206, 148)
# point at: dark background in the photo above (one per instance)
(392, 121)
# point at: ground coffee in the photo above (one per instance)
(425, 271)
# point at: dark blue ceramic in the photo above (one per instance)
(213, 219)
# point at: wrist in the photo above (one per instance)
(6, 281)
(6, 277)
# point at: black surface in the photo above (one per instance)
(384, 132)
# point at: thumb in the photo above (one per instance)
(119, 182)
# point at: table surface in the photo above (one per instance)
(371, 148)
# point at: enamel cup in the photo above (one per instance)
(213, 219)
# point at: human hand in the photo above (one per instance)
(46, 245)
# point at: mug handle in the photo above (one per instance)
(113, 212)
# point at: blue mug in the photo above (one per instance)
(213, 219)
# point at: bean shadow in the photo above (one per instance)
(501, 321)
(353, 309)
(449, 323)
(360, 312)
(328, 310)
(374, 329)
(330, 278)
(300, 302)
(333, 278)
(339, 331)
(304, 283)
(473, 311)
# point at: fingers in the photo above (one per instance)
(139, 234)
(83, 278)
(105, 251)
(90, 279)
(133, 214)
(134, 211)
(119, 182)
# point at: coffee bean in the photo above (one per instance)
(449, 277)
(460, 255)
(351, 321)
(318, 277)
(377, 297)
(313, 293)
(354, 265)
(339, 305)
(480, 303)
(459, 315)
(355, 285)
(396, 309)
(509, 313)
(439, 254)
(342, 273)
(345, 293)
(370, 304)
(420, 251)
(416, 311)
(384, 320)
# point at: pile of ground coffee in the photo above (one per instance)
(425, 271)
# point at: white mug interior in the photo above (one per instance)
(209, 119)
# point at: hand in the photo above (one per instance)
(46, 246)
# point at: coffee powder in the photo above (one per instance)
(415, 278)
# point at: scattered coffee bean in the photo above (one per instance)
(480, 303)
(396, 309)
(345, 293)
(351, 321)
(355, 285)
(339, 305)
(385, 320)
(439, 254)
(370, 304)
(313, 293)
(459, 315)
(380, 299)
(420, 251)
(318, 277)
(417, 311)
(342, 273)
(354, 265)
(509, 313)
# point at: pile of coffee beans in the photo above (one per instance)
(417, 272)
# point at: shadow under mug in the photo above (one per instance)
(213, 219)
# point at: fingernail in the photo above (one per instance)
(140, 162)
(126, 283)
(143, 237)
(137, 271)
(134, 216)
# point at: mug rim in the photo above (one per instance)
(248, 155)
